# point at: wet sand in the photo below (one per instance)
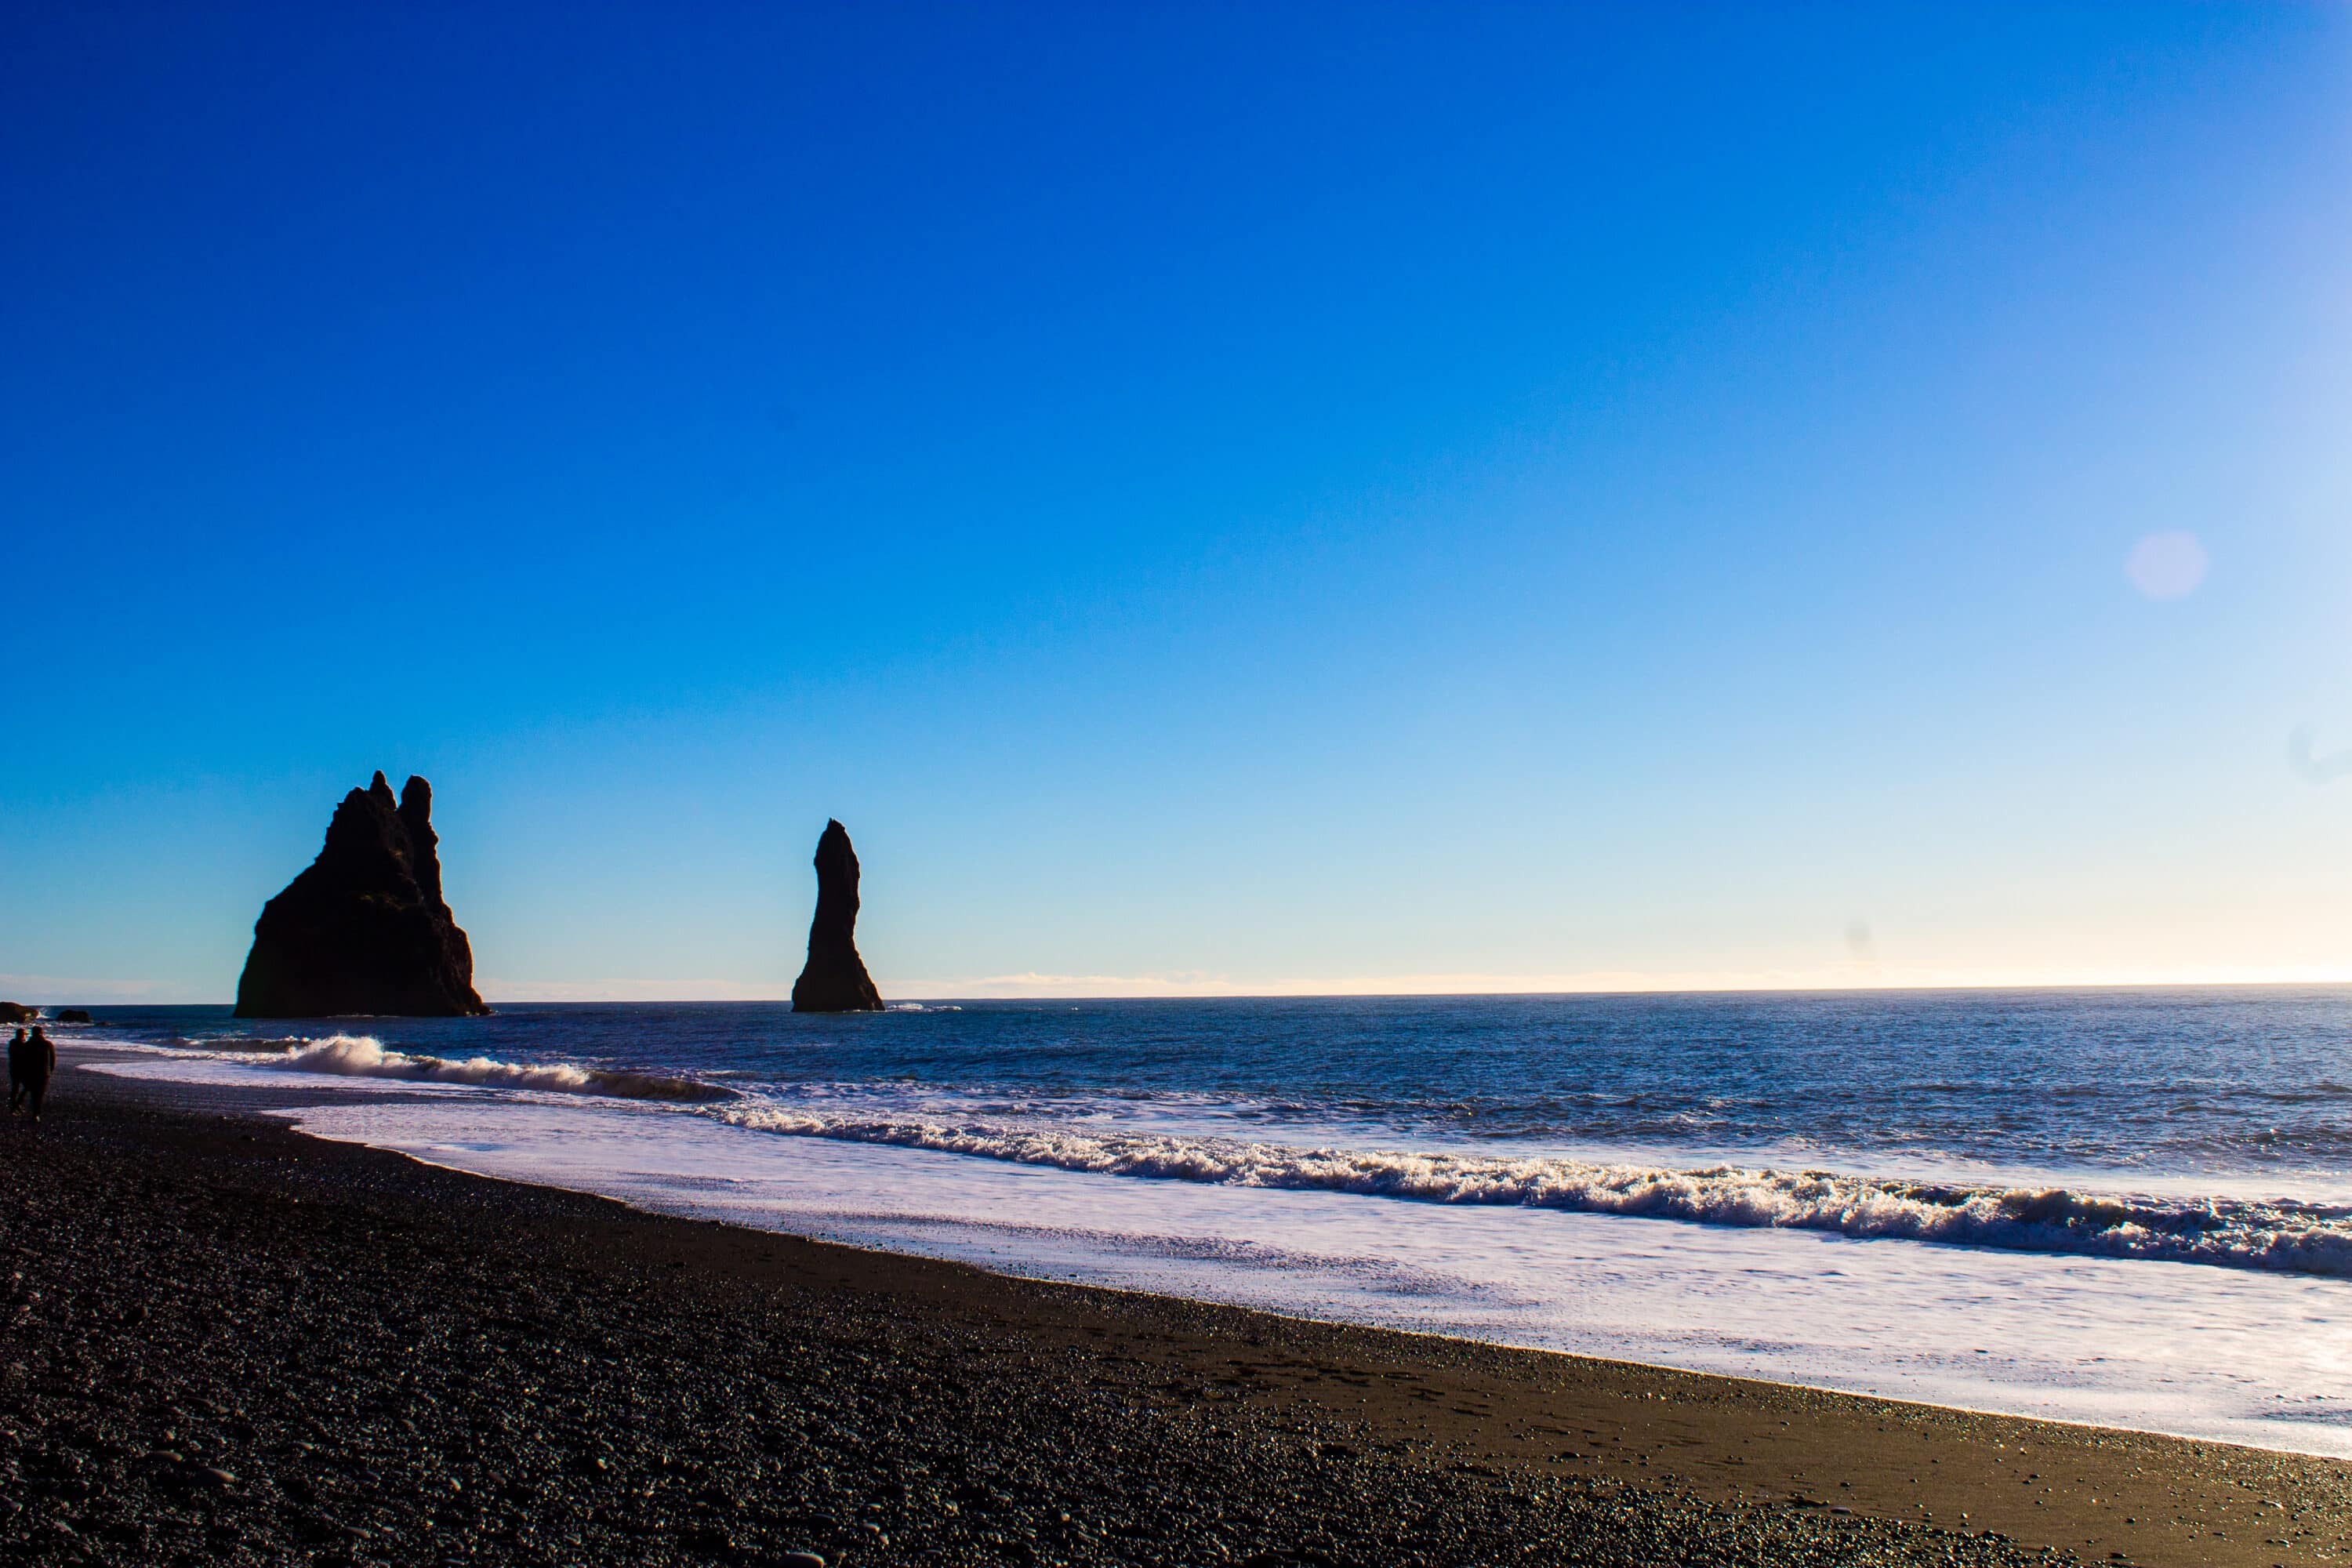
(231, 1343)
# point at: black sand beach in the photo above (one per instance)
(228, 1344)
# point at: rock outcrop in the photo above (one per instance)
(17, 1013)
(365, 928)
(73, 1016)
(834, 980)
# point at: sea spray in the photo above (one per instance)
(2294, 1237)
(363, 1055)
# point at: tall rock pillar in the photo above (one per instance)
(835, 979)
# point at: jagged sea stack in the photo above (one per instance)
(834, 980)
(365, 928)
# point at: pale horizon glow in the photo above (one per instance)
(53, 991)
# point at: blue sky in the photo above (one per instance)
(1256, 499)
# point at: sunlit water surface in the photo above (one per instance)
(2127, 1207)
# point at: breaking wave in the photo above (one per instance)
(363, 1055)
(2306, 1239)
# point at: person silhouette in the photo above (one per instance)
(31, 1061)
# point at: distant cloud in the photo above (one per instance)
(2167, 565)
(1010, 987)
(1181, 983)
(1580, 983)
(1037, 985)
(690, 990)
(40, 990)
(2315, 769)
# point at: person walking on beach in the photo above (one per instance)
(30, 1063)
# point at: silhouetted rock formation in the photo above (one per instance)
(17, 1013)
(365, 929)
(834, 980)
(73, 1016)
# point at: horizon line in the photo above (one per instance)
(559, 993)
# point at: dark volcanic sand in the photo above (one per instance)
(228, 1344)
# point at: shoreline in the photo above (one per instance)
(2048, 1331)
(1365, 1436)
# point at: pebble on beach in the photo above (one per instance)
(408, 1365)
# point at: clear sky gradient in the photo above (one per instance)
(1291, 498)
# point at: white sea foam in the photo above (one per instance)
(365, 1055)
(2231, 1354)
(2294, 1237)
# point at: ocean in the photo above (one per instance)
(2129, 1207)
